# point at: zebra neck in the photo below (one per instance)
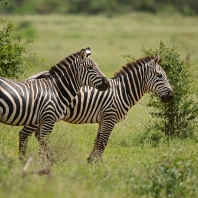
(132, 86)
(66, 81)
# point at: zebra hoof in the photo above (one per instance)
(90, 160)
(22, 157)
(93, 159)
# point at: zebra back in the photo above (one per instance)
(46, 95)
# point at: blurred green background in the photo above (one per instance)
(110, 28)
(95, 7)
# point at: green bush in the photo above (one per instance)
(148, 6)
(187, 11)
(171, 178)
(177, 118)
(15, 58)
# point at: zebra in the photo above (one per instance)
(41, 102)
(108, 108)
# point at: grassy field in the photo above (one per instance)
(132, 167)
(57, 36)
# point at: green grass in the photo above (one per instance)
(56, 36)
(130, 168)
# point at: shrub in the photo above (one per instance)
(177, 118)
(14, 56)
(172, 178)
(187, 11)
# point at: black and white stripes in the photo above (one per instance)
(42, 101)
(110, 107)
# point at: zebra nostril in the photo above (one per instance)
(104, 85)
(105, 82)
(167, 97)
(171, 95)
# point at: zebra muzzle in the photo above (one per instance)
(104, 84)
(168, 97)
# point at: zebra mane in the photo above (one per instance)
(44, 75)
(63, 61)
(130, 65)
(48, 74)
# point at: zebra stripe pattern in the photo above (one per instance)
(42, 101)
(108, 108)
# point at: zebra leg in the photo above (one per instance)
(24, 134)
(93, 153)
(37, 133)
(43, 138)
(43, 150)
(101, 140)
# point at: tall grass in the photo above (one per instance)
(132, 166)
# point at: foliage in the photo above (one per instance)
(128, 57)
(5, 2)
(13, 63)
(170, 178)
(177, 118)
(189, 7)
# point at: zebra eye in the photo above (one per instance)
(89, 66)
(159, 75)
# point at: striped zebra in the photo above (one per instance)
(42, 101)
(108, 108)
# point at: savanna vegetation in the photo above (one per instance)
(134, 163)
(109, 7)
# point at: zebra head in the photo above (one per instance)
(89, 72)
(158, 82)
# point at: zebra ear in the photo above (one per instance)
(84, 53)
(157, 59)
(88, 51)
